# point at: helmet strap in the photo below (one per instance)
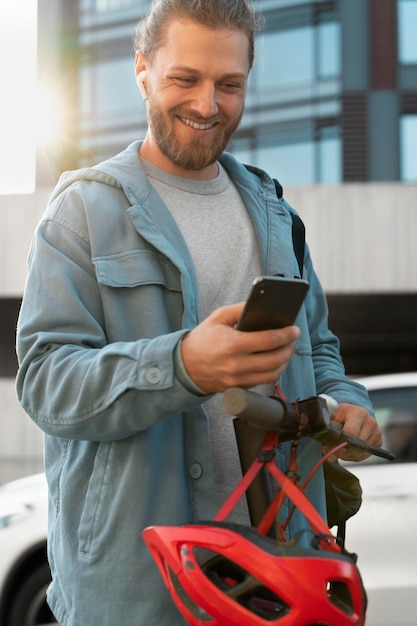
(288, 487)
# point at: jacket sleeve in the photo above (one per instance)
(328, 365)
(72, 381)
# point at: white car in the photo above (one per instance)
(383, 533)
(24, 570)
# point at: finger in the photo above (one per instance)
(268, 340)
(358, 423)
(256, 369)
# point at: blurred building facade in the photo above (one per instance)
(331, 111)
(332, 97)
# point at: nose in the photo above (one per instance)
(205, 99)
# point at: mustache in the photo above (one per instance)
(197, 117)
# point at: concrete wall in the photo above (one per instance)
(19, 216)
(363, 239)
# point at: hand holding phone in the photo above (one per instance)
(273, 302)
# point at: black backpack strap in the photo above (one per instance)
(298, 240)
(298, 231)
(278, 188)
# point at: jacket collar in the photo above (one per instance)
(270, 216)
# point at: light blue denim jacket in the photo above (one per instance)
(111, 290)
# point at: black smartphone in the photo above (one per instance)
(273, 302)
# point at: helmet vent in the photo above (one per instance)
(183, 596)
(339, 594)
(240, 586)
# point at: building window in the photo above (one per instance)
(296, 154)
(286, 59)
(109, 13)
(107, 6)
(103, 6)
(298, 57)
(407, 21)
(329, 58)
(303, 163)
(292, 164)
(108, 88)
(329, 155)
(298, 61)
(408, 143)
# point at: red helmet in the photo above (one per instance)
(223, 574)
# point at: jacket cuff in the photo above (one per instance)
(181, 372)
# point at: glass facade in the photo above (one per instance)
(408, 140)
(407, 58)
(298, 60)
(407, 24)
(297, 75)
(296, 122)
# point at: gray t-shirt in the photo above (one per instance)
(219, 234)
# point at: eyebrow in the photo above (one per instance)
(190, 70)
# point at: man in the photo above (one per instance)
(127, 330)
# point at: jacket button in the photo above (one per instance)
(196, 470)
(153, 375)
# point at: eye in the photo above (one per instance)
(185, 81)
(231, 86)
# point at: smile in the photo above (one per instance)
(196, 125)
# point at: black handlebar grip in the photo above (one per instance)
(260, 411)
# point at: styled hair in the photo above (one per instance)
(231, 14)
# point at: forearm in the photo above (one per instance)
(92, 368)
(102, 394)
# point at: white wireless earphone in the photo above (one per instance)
(140, 79)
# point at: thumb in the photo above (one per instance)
(228, 315)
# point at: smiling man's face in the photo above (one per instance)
(196, 84)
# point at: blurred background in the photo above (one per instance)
(331, 112)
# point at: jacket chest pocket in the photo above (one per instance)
(141, 295)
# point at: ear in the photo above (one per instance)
(140, 71)
(140, 79)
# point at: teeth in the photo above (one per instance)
(196, 125)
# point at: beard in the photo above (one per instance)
(197, 153)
